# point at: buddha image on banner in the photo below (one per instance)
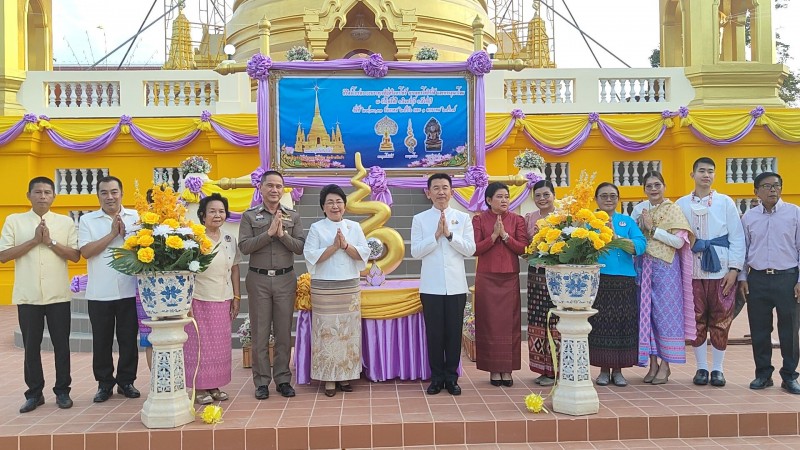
(409, 123)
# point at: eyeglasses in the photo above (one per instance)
(769, 187)
(332, 203)
(608, 196)
(655, 186)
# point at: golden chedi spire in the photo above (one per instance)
(537, 49)
(181, 54)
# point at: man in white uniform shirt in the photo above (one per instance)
(111, 294)
(719, 251)
(442, 237)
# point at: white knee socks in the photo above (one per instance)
(701, 357)
(717, 358)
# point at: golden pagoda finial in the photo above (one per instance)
(181, 53)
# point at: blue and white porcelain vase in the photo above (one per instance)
(573, 286)
(166, 295)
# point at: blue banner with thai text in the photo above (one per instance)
(399, 123)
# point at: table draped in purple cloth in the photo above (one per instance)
(391, 348)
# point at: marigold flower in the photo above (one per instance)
(145, 232)
(598, 244)
(593, 235)
(584, 214)
(206, 245)
(606, 237)
(580, 233)
(543, 247)
(558, 247)
(150, 218)
(171, 223)
(130, 243)
(146, 240)
(552, 235)
(602, 215)
(554, 219)
(197, 229)
(146, 255)
(597, 223)
(174, 242)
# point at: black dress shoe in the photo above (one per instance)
(286, 390)
(129, 391)
(262, 393)
(792, 387)
(103, 394)
(496, 382)
(31, 404)
(701, 377)
(63, 401)
(508, 383)
(434, 388)
(344, 387)
(761, 383)
(453, 388)
(717, 378)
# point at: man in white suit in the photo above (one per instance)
(442, 237)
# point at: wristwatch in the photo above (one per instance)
(505, 238)
(449, 237)
(52, 243)
(734, 268)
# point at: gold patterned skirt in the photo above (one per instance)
(335, 330)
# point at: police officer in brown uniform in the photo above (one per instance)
(271, 234)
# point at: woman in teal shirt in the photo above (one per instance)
(614, 339)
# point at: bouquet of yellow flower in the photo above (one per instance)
(163, 239)
(573, 233)
(302, 299)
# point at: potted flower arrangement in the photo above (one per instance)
(468, 331)
(298, 53)
(195, 165)
(164, 252)
(427, 54)
(569, 242)
(246, 339)
(529, 160)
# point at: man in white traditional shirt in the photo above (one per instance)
(719, 252)
(111, 295)
(40, 242)
(442, 237)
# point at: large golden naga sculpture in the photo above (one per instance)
(379, 213)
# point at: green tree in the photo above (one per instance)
(790, 90)
(655, 57)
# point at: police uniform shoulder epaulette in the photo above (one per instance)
(287, 209)
(255, 208)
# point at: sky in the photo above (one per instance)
(85, 30)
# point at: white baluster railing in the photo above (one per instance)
(745, 170)
(81, 181)
(557, 173)
(630, 173)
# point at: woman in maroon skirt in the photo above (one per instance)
(500, 237)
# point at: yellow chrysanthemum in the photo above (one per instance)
(206, 245)
(593, 236)
(597, 223)
(557, 248)
(584, 214)
(146, 240)
(598, 244)
(150, 218)
(602, 215)
(146, 255)
(171, 223)
(174, 242)
(554, 219)
(606, 230)
(580, 233)
(144, 232)
(606, 237)
(552, 235)
(130, 243)
(540, 235)
(543, 247)
(198, 230)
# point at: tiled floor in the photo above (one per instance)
(394, 414)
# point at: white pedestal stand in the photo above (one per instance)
(167, 404)
(575, 394)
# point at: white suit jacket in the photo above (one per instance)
(442, 271)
